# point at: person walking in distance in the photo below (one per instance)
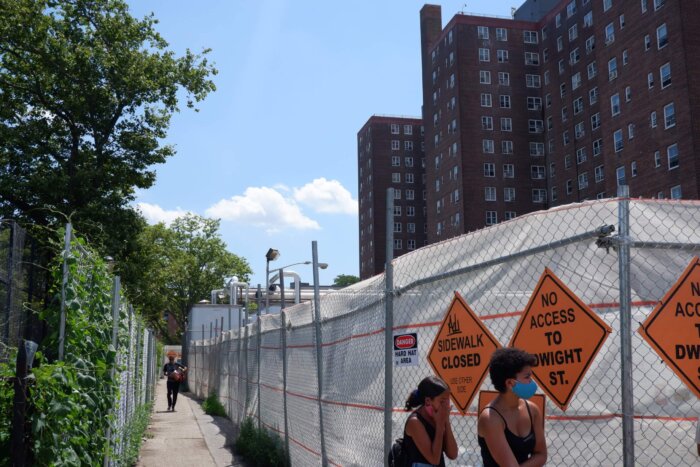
(428, 434)
(511, 429)
(175, 372)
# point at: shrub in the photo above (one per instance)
(258, 447)
(212, 406)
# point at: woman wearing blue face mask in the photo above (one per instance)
(428, 433)
(510, 428)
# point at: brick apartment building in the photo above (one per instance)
(390, 154)
(561, 103)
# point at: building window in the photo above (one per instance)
(620, 175)
(412, 243)
(532, 58)
(548, 100)
(502, 56)
(597, 147)
(484, 77)
(396, 161)
(633, 168)
(398, 244)
(539, 195)
(552, 169)
(590, 44)
(536, 149)
(672, 154)
(562, 68)
(676, 192)
(625, 57)
(394, 129)
(532, 81)
(650, 80)
(569, 186)
(503, 78)
(576, 81)
(491, 217)
(593, 96)
(554, 193)
(579, 130)
(395, 144)
(573, 33)
(595, 121)
(506, 124)
(530, 37)
(410, 211)
(395, 177)
(622, 21)
(665, 75)
(485, 100)
(607, 4)
(615, 105)
(630, 131)
(669, 116)
(599, 174)
(535, 126)
(560, 44)
(617, 138)
(562, 89)
(508, 215)
(661, 36)
(505, 101)
(644, 6)
(588, 20)
(489, 169)
(483, 32)
(534, 103)
(397, 227)
(612, 68)
(565, 137)
(409, 178)
(557, 20)
(410, 195)
(487, 123)
(408, 161)
(571, 9)
(489, 193)
(408, 145)
(628, 93)
(397, 210)
(658, 4)
(487, 146)
(609, 33)
(484, 55)
(652, 119)
(592, 70)
(407, 130)
(501, 34)
(581, 155)
(508, 171)
(583, 181)
(506, 147)
(537, 172)
(509, 195)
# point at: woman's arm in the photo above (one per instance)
(430, 450)
(491, 427)
(450, 444)
(539, 455)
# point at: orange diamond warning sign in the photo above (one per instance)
(563, 334)
(461, 352)
(673, 327)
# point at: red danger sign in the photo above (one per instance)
(405, 341)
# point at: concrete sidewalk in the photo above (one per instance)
(187, 437)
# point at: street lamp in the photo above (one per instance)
(271, 255)
(280, 275)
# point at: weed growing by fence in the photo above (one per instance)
(258, 447)
(212, 406)
(133, 432)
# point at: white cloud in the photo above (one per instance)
(155, 214)
(326, 196)
(263, 207)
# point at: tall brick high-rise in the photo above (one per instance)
(560, 104)
(390, 155)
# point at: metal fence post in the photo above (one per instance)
(64, 284)
(319, 350)
(389, 323)
(259, 340)
(283, 314)
(116, 297)
(626, 327)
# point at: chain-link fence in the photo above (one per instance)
(23, 287)
(269, 369)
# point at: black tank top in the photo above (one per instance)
(412, 451)
(522, 447)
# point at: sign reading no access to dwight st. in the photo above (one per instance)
(461, 352)
(563, 334)
(673, 327)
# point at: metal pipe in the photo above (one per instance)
(64, 285)
(319, 350)
(389, 322)
(626, 326)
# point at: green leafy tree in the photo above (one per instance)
(87, 92)
(183, 263)
(343, 280)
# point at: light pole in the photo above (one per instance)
(280, 275)
(271, 255)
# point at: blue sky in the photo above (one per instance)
(273, 151)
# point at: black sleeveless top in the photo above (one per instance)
(522, 447)
(413, 454)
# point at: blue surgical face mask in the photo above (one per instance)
(525, 390)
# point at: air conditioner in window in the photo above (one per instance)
(613, 75)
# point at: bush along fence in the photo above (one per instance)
(79, 398)
(322, 375)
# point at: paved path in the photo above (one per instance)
(187, 437)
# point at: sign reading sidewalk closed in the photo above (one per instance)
(673, 327)
(461, 352)
(563, 334)
(406, 349)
